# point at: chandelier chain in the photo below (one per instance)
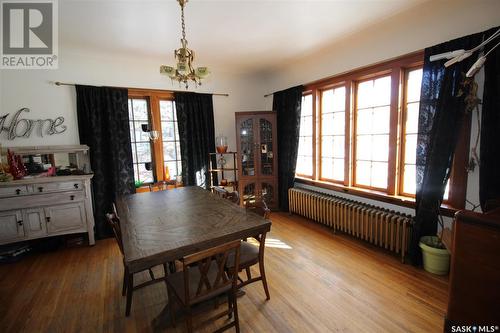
(183, 24)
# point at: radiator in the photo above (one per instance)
(384, 228)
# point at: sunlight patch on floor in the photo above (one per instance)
(271, 242)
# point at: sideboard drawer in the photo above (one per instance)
(13, 191)
(31, 201)
(57, 187)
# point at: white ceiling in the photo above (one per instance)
(248, 35)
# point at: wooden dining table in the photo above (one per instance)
(160, 227)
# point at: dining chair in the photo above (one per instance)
(250, 254)
(203, 277)
(258, 206)
(128, 278)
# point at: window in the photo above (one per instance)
(366, 138)
(373, 113)
(141, 148)
(154, 110)
(411, 106)
(305, 151)
(333, 134)
(170, 138)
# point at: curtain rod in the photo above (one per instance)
(57, 83)
(267, 95)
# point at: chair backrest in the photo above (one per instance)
(114, 223)
(259, 206)
(205, 261)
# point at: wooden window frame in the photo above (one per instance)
(398, 69)
(391, 156)
(313, 122)
(319, 93)
(154, 97)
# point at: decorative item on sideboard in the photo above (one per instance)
(37, 162)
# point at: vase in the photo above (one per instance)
(221, 144)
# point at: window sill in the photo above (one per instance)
(408, 202)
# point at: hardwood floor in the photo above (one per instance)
(319, 282)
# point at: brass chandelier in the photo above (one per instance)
(184, 70)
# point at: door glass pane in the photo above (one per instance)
(169, 151)
(266, 147)
(166, 110)
(168, 130)
(143, 152)
(140, 109)
(140, 135)
(145, 176)
(247, 147)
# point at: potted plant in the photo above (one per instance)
(435, 256)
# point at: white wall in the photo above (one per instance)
(35, 89)
(426, 25)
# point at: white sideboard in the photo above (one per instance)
(43, 207)
(37, 207)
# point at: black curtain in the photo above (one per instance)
(104, 126)
(489, 180)
(287, 105)
(441, 116)
(195, 118)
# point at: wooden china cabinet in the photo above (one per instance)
(256, 140)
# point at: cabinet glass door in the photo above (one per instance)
(249, 192)
(247, 147)
(268, 193)
(266, 153)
